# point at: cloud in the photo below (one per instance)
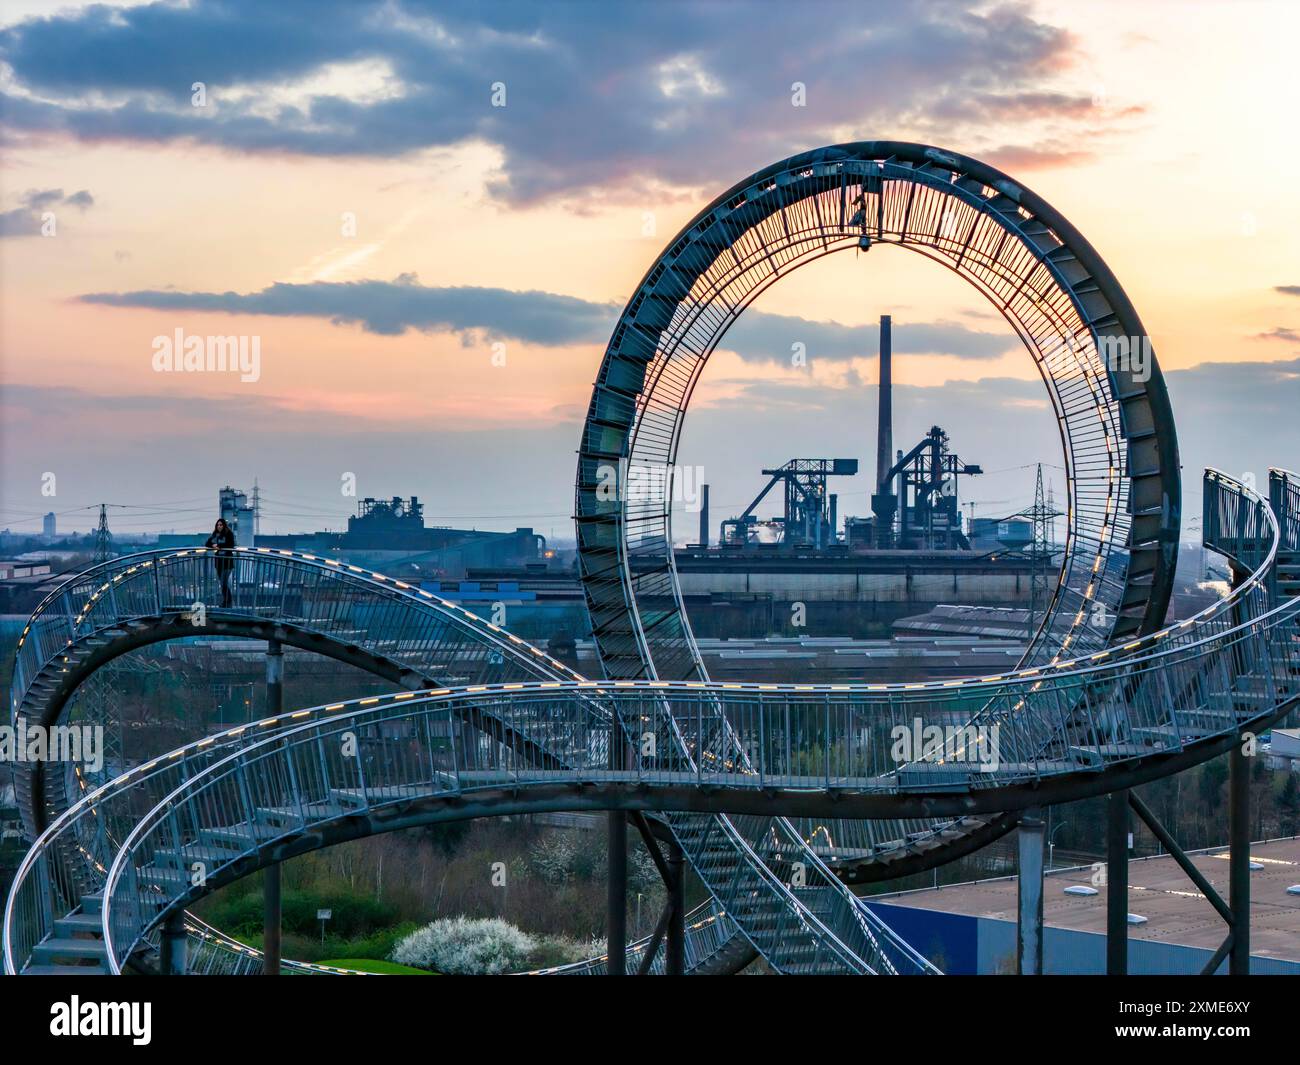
(1013, 157)
(768, 337)
(1235, 416)
(1280, 332)
(1248, 393)
(597, 96)
(390, 308)
(1003, 422)
(28, 220)
(160, 446)
(1287, 290)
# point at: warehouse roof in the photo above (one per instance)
(1175, 911)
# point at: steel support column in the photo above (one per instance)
(617, 926)
(274, 677)
(668, 858)
(1239, 860)
(1029, 895)
(271, 909)
(271, 920)
(616, 903)
(675, 946)
(173, 945)
(1117, 832)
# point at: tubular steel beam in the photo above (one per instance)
(1239, 860)
(1029, 895)
(1213, 964)
(1117, 830)
(672, 923)
(652, 948)
(271, 922)
(1176, 852)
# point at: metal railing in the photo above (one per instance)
(1200, 679)
(349, 763)
(356, 606)
(437, 641)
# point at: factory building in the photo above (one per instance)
(387, 534)
(806, 572)
(971, 928)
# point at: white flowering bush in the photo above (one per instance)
(554, 857)
(466, 946)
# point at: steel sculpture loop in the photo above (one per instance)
(752, 780)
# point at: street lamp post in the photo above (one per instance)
(1051, 843)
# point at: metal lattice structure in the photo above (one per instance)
(1117, 430)
(1043, 277)
(257, 793)
(751, 781)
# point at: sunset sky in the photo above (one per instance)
(1165, 131)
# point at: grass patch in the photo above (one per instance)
(371, 965)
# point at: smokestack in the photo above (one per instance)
(835, 518)
(704, 515)
(885, 418)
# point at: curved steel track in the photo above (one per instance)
(753, 781)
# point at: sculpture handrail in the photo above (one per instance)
(219, 955)
(1171, 656)
(652, 695)
(94, 607)
(706, 923)
(39, 642)
(1236, 522)
(705, 695)
(1180, 646)
(107, 606)
(698, 692)
(1284, 497)
(197, 791)
(389, 587)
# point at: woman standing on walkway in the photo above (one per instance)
(223, 539)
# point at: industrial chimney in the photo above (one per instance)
(883, 504)
(885, 418)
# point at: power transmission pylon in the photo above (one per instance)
(257, 513)
(1040, 551)
(103, 538)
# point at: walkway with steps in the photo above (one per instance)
(76, 947)
(799, 924)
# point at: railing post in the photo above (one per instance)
(1029, 895)
(1239, 859)
(1117, 832)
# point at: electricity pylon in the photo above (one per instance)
(1041, 550)
(103, 538)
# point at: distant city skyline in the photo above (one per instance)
(428, 220)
